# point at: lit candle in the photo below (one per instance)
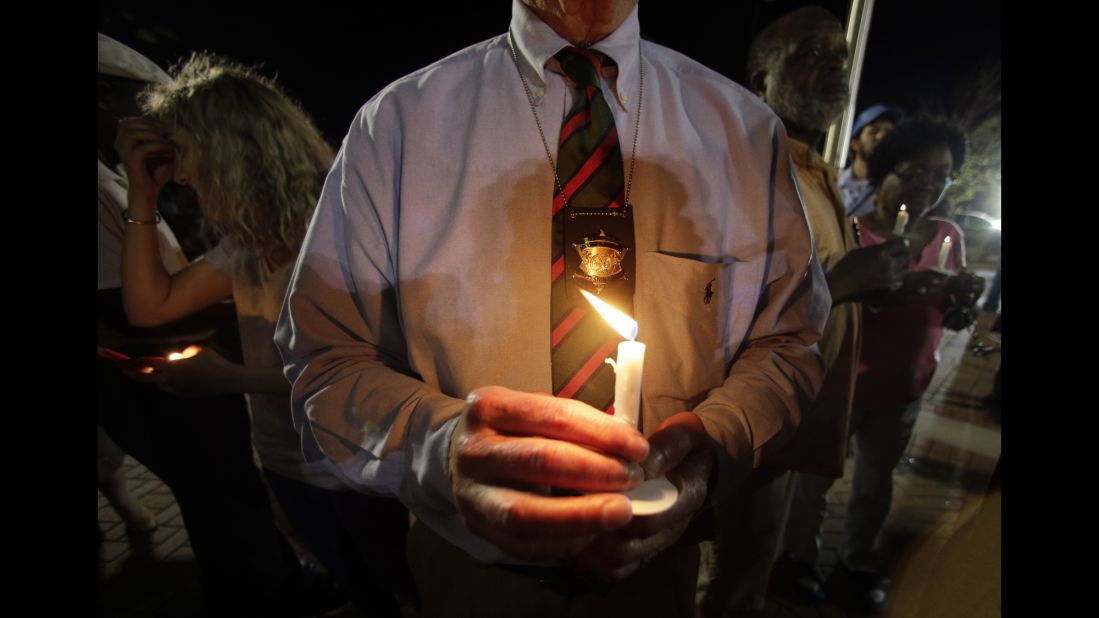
(187, 352)
(631, 358)
(901, 222)
(944, 253)
(654, 495)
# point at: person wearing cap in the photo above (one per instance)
(797, 64)
(870, 128)
(201, 449)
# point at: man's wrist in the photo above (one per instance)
(836, 287)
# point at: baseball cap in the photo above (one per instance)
(874, 112)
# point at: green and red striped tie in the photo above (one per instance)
(589, 166)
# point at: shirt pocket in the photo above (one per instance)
(686, 317)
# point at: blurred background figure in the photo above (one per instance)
(798, 66)
(257, 164)
(914, 166)
(200, 449)
(870, 128)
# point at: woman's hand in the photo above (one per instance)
(205, 374)
(148, 157)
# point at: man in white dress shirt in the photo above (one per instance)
(416, 328)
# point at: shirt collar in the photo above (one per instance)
(536, 43)
(806, 157)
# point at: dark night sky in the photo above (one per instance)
(333, 56)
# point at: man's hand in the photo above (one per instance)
(868, 270)
(508, 447)
(919, 286)
(965, 286)
(206, 374)
(681, 449)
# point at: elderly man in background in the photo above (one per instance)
(798, 66)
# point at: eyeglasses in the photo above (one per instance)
(915, 173)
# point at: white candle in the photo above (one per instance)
(631, 359)
(944, 253)
(627, 380)
(654, 495)
(901, 222)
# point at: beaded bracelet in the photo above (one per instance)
(126, 216)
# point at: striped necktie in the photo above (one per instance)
(589, 166)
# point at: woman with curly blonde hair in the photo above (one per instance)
(257, 164)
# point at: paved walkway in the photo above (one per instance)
(938, 487)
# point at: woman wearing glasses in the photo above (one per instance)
(912, 167)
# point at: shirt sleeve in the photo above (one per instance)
(354, 399)
(219, 257)
(778, 371)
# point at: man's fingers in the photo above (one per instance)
(614, 556)
(691, 478)
(617, 554)
(520, 413)
(492, 457)
(672, 441)
(521, 513)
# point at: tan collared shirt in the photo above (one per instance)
(820, 445)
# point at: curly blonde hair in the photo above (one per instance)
(260, 162)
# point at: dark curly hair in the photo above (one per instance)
(910, 138)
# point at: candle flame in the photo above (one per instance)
(187, 352)
(903, 208)
(146, 370)
(946, 240)
(624, 324)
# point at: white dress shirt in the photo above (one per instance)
(426, 273)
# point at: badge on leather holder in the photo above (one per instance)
(599, 255)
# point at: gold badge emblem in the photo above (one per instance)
(600, 260)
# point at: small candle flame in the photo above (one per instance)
(903, 208)
(187, 352)
(946, 240)
(146, 370)
(624, 324)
